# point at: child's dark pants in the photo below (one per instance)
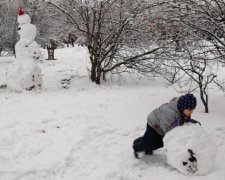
(149, 142)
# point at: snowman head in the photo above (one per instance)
(26, 30)
(22, 17)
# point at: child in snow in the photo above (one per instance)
(163, 119)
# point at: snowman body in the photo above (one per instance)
(24, 73)
(27, 47)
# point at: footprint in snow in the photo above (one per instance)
(65, 83)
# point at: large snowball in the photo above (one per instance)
(25, 49)
(190, 150)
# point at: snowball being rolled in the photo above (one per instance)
(190, 149)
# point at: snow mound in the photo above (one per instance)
(190, 150)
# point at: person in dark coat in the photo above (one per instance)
(162, 119)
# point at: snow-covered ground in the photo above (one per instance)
(76, 130)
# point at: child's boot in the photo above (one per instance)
(136, 154)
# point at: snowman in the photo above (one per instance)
(24, 73)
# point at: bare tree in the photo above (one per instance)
(203, 18)
(192, 69)
(113, 31)
(195, 31)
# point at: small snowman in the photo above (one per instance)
(24, 73)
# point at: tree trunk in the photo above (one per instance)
(93, 72)
(204, 100)
(98, 75)
(14, 51)
(96, 71)
(206, 108)
(104, 76)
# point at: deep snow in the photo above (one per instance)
(76, 130)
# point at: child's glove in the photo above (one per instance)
(194, 121)
(181, 121)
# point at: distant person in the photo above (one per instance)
(72, 42)
(161, 120)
